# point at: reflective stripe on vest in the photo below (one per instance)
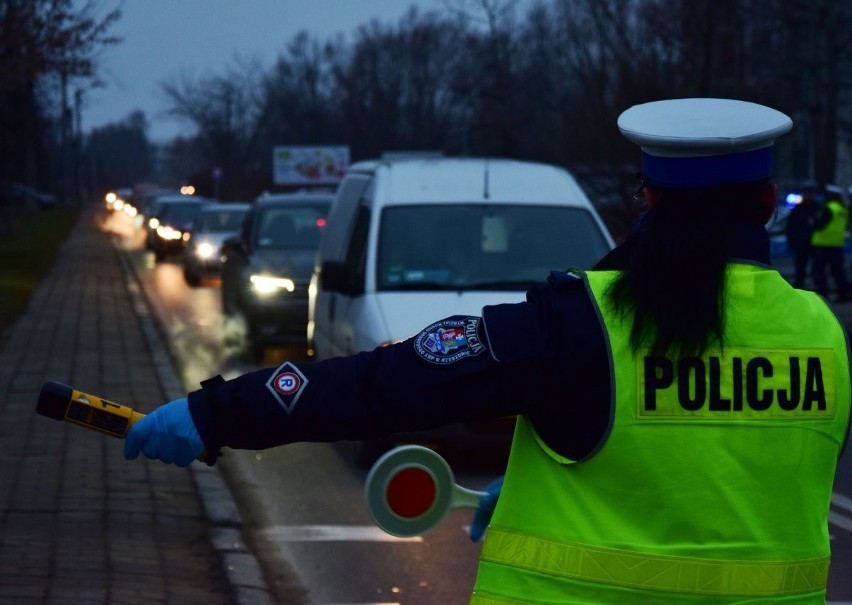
(483, 599)
(652, 572)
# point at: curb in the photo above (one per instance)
(239, 564)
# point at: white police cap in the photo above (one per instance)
(703, 142)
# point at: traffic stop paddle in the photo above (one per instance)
(410, 490)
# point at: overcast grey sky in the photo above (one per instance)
(165, 40)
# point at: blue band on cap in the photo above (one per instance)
(709, 170)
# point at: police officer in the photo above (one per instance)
(799, 231)
(681, 408)
(827, 241)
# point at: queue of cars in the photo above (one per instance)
(213, 224)
(170, 217)
(402, 243)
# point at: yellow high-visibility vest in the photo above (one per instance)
(714, 483)
(833, 234)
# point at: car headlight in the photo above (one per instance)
(266, 284)
(154, 222)
(205, 250)
(166, 232)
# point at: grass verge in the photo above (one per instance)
(27, 254)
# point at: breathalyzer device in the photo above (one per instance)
(62, 402)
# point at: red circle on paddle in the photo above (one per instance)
(411, 492)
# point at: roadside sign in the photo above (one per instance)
(303, 165)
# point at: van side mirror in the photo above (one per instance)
(334, 277)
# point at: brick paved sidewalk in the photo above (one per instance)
(78, 523)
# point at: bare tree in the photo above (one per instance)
(119, 155)
(301, 103)
(550, 86)
(41, 39)
(226, 112)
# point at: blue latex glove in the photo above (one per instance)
(168, 434)
(482, 516)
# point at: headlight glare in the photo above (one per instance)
(266, 284)
(166, 232)
(205, 250)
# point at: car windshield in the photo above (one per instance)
(182, 212)
(474, 246)
(292, 226)
(220, 220)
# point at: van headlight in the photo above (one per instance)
(266, 284)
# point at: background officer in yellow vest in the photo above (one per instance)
(827, 242)
(799, 231)
(681, 408)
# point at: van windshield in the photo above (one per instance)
(486, 247)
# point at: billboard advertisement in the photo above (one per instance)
(304, 165)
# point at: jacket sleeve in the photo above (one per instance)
(458, 369)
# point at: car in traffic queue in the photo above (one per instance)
(202, 253)
(411, 241)
(116, 200)
(267, 267)
(169, 217)
(144, 200)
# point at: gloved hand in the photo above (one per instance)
(482, 516)
(168, 433)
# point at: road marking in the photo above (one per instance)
(841, 521)
(332, 533)
(837, 519)
(841, 501)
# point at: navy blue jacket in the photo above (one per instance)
(545, 358)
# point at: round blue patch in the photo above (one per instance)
(450, 340)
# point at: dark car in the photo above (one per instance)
(169, 219)
(214, 223)
(267, 267)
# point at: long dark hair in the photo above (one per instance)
(672, 279)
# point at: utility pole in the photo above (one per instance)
(78, 146)
(64, 128)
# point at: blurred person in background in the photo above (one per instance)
(827, 242)
(800, 228)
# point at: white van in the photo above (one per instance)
(411, 241)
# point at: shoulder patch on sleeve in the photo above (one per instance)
(450, 340)
(286, 385)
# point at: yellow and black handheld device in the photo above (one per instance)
(61, 402)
